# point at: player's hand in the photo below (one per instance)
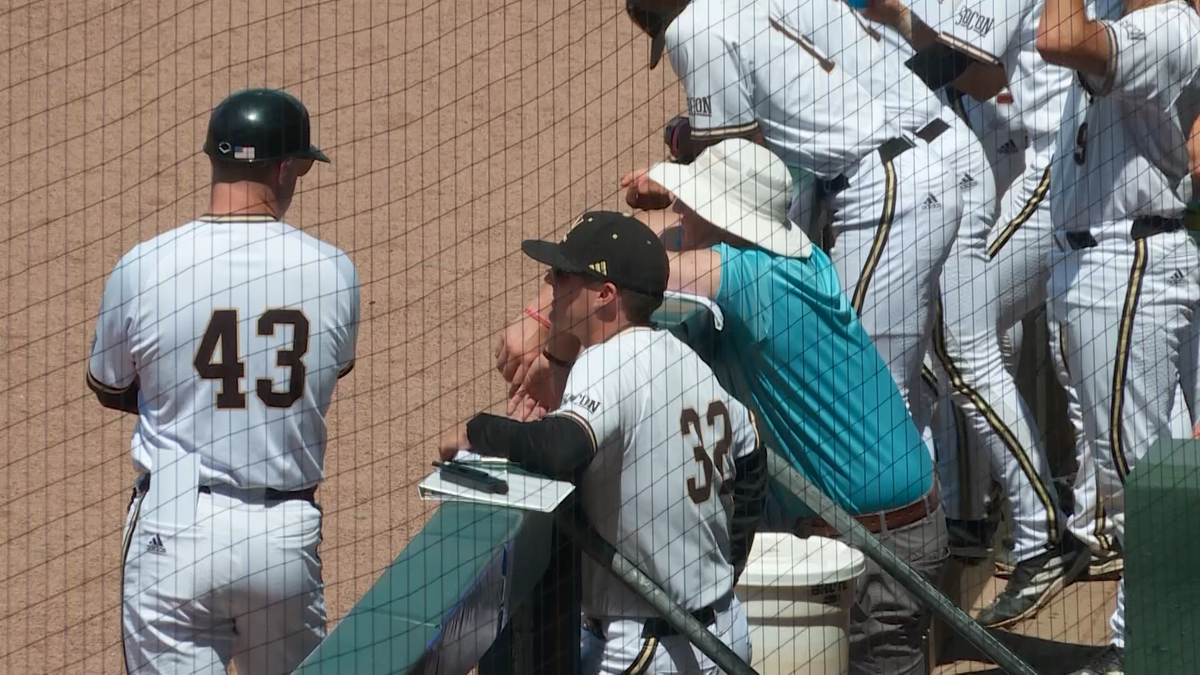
(538, 394)
(520, 343)
(452, 442)
(888, 12)
(643, 193)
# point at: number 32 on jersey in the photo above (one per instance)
(222, 332)
(690, 427)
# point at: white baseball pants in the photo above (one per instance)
(242, 585)
(1125, 305)
(995, 276)
(624, 651)
(892, 229)
(965, 477)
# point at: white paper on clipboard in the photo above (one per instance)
(532, 493)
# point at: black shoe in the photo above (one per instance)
(1110, 661)
(1035, 582)
(1105, 566)
(971, 540)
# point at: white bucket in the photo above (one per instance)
(797, 595)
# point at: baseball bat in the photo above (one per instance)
(860, 538)
(607, 556)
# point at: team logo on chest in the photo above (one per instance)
(699, 107)
(972, 20)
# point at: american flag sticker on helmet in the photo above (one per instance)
(243, 152)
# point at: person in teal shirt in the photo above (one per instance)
(793, 350)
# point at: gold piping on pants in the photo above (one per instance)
(881, 237)
(1027, 211)
(1002, 431)
(644, 658)
(136, 505)
(1121, 365)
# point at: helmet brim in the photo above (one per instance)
(315, 153)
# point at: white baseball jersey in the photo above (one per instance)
(742, 73)
(236, 331)
(659, 488)
(1127, 155)
(1004, 33)
(861, 54)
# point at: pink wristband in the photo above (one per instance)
(537, 316)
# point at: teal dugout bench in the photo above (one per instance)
(472, 572)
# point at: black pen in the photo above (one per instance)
(454, 472)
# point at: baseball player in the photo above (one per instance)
(1126, 275)
(891, 202)
(227, 336)
(669, 466)
(1002, 277)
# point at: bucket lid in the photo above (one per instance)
(783, 559)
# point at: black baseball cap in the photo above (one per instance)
(610, 246)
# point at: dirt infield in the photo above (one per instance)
(455, 128)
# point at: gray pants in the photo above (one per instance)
(889, 625)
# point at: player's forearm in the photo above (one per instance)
(556, 447)
(563, 345)
(981, 82)
(1068, 38)
(903, 21)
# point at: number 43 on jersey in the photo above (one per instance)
(222, 332)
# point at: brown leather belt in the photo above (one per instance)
(879, 521)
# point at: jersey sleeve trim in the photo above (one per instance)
(1110, 69)
(346, 370)
(115, 398)
(968, 49)
(101, 388)
(578, 419)
(724, 133)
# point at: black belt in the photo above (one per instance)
(658, 627)
(887, 152)
(1143, 227)
(931, 131)
(307, 495)
(271, 494)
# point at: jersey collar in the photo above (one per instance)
(235, 218)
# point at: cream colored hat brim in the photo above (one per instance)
(700, 191)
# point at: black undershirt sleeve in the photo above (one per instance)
(556, 446)
(123, 400)
(749, 502)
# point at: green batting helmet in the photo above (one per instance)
(260, 125)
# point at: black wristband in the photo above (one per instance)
(671, 134)
(555, 360)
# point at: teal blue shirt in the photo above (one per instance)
(795, 351)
